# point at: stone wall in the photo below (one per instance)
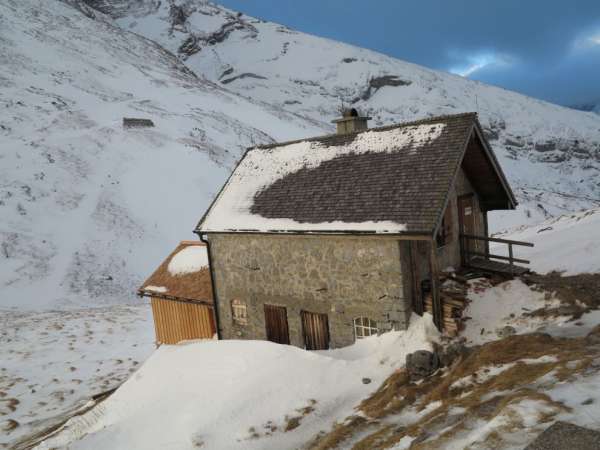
(344, 277)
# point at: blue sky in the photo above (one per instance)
(548, 49)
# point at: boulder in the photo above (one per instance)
(421, 364)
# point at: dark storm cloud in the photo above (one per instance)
(529, 45)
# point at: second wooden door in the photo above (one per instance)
(316, 330)
(276, 324)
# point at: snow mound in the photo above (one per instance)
(241, 394)
(189, 260)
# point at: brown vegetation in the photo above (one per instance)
(455, 408)
(577, 293)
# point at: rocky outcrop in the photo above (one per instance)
(421, 364)
(243, 75)
(120, 8)
(194, 43)
(377, 83)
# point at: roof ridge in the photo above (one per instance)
(356, 133)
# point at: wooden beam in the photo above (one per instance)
(502, 241)
(435, 291)
(504, 258)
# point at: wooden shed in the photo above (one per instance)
(181, 295)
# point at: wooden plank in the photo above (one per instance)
(503, 258)
(500, 240)
(176, 321)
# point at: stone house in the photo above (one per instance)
(320, 241)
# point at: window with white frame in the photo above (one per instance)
(364, 327)
(239, 312)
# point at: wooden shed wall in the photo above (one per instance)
(176, 321)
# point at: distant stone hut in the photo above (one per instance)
(181, 295)
(322, 241)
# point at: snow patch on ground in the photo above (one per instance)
(54, 361)
(491, 308)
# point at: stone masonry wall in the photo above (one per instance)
(342, 276)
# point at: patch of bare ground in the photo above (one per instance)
(486, 383)
(578, 294)
(293, 422)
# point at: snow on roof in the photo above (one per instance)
(159, 289)
(188, 260)
(263, 166)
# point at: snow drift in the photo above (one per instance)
(241, 394)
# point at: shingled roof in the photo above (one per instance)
(187, 278)
(391, 180)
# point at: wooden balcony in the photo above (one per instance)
(484, 260)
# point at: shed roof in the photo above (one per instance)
(183, 275)
(392, 179)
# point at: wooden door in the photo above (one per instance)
(315, 328)
(466, 222)
(276, 324)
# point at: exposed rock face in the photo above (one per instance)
(377, 83)
(121, 8)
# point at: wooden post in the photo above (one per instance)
(510, 258)
(435, 292)
(487, 234)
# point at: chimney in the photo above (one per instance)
(351, 122)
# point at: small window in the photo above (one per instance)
(239, 312)
(445, 232)
(364, 327)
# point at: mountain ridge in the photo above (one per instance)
(313, 76)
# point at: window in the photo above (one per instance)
(445, 232)
(364, 327)
(239, 312)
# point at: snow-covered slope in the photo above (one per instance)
(569, 244)
(87, 207)
(551, 153)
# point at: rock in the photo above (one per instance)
(421, 364)
(593, 336)
(566, 435)
(505, 331)
(451, 353)
(366, 380)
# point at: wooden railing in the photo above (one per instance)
(465, 238)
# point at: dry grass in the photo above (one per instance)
(577, 293)
(291, 423)
(463, 408)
